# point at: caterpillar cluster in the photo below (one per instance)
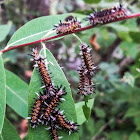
(67, 26)
(44, 108)
(106, 15)
(100, 17)
(86, 72)
(52, 103)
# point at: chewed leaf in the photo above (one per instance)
(68, 106)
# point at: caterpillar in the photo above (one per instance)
(52, 102)
(35, 115)
(68, 26)
(54, 130)
(106, 15)
(86, 85)
(64, 123)
(54, 133)
(46, 79)
(86, 59)
(82, 82)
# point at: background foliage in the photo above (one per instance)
(115, 49)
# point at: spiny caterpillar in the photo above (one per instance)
(53, 101)
(67, 26)
(64, 123)
(45, 76)
(44, 106)
(82, 82)
(86, 72)
(86, 85)
(86, 59)
(107, 15)
(54, 130)
(35, 115)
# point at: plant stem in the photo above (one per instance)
(102, 128)
(45, 55)
(75, 31)
(77, 38)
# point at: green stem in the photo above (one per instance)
(77, 38)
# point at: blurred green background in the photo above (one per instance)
(115, 49)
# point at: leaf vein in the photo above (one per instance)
(16, 94)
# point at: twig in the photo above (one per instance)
(60, 35)
(102, 128)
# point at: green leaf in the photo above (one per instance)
(79, 110)
(4, 30)
(58, 78)
(99, 112)
(118, 27)
(124, 36)
(116, 135)
(135, 36)
(129, 49)
(134, 136)
(132, 112)
(137, 122)
(9, 132)
(86, 111)
(16, 94)
(92, 1)
(2, 93)
(37, 28)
